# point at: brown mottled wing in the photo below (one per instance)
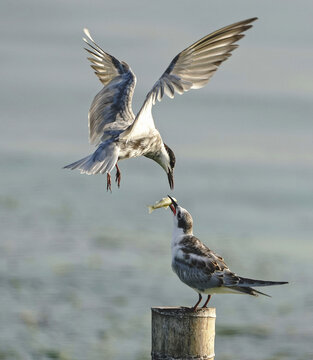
(199, 267)
(192, 68)
(111, 109)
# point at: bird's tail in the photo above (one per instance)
(101, 161)
(245, 286)
(248, 290)
(88, 165)
(80, 164)
(245, 282)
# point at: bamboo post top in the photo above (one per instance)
(180, 333)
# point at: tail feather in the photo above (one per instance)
(248, 290)
(90, 166)
(103, 168)
(245, 286)
(109, 165)
(245, 282)
(77, 164)
(101, 161)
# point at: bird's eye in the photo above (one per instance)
(178, 215)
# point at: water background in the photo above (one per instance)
(79, 267)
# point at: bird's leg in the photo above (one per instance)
(206, 303)
(195, 307)
(118, 176)
(109, 182)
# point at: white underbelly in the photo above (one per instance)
(218, 290)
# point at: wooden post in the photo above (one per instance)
(179, 333)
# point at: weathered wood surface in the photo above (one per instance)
(180, 334)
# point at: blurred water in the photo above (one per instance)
(80, 268)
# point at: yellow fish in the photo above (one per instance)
(165, 202)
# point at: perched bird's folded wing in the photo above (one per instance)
(193, 67)
(197, 265)
(111, 108)
(194, 272)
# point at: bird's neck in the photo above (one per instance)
(178, 234)
(162, 157)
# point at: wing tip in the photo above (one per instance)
(250, 20)
(87, 33)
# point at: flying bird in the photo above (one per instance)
(202, 269)
(113, 127)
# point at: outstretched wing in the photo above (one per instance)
(111, 108)
(192, 68)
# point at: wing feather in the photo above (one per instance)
(192, 68)
(199, 267)
(202, 59)
(111, 109)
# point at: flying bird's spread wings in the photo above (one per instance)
(191, 69)
(111, 109)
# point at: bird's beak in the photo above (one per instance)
(170, 177)
(173, 205)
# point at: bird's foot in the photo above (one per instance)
(109, 182)
(118, 176)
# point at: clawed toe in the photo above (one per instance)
(118, 176)
(109, 182)
(117, 179)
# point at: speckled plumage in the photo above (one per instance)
(202, 269)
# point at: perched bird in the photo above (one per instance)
(200, 268)
(113, 127)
